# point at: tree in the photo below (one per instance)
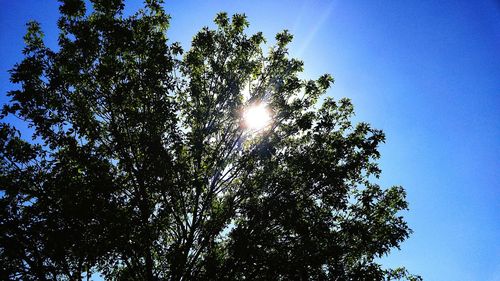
(141, 165)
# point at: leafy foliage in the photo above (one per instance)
(141, 167)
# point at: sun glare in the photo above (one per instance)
(257, 117)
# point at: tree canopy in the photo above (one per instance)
(141, 166)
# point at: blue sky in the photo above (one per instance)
(426, 72)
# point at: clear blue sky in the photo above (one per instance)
(426, 72)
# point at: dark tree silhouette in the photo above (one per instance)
(141, 165)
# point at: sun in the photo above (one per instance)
(257, 117)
